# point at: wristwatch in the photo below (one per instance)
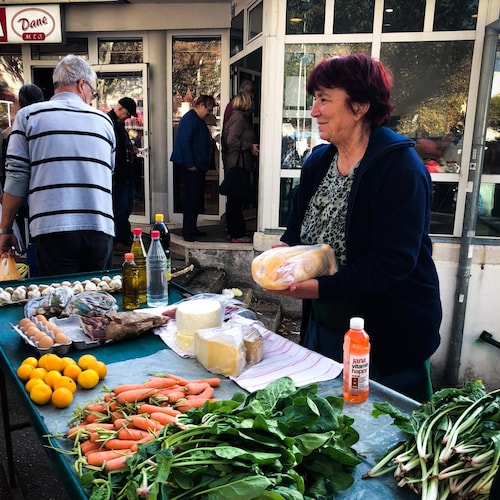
(7, 231)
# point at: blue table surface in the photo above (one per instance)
(137, 359)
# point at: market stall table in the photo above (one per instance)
(137, 359)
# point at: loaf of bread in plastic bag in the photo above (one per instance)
(278, 268)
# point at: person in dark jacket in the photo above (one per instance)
(123, 175)
(368, 195)
(193, 149)
(240, 151)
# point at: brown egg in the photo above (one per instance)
(45, 341)
(38, 335)
(24, 322)
(61, 338)
(31, 330)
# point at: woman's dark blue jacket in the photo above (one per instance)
(193, 143)
(389, 274)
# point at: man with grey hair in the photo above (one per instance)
(61, 158)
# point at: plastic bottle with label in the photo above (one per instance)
(159, 225)
(356, 362)
(130, 283)
(156, 266)
(140, 260)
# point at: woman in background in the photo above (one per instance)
(239, 151)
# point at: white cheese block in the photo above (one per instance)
(193, 315)
(221, 350)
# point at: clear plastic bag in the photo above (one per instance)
(8, 268)
(50, 305)
(278, 268)
(90, 304)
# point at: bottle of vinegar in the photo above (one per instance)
(130, 283)
(156, 266)
(356, 362)
(159, 225)
(140, 260)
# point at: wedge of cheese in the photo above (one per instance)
(254, 345)
(278, 268)
(221, 350)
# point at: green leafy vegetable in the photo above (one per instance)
(279, 443)
(453, 446)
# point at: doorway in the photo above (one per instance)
(131, 81)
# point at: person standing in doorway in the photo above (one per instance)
(61, 157)
(123, 176)
(192, 154)
(240, 152)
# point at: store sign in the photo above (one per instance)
(30, 24)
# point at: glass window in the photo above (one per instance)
(56, 51)
(431, 81)
(255, 21)
(11, 80)
(488, 210)
(492, 151)
(443, 207)
(455, 15)
(403, 15)
(305, 16)
(287, 190)
(121, 51)
(196, 70)
(298, 129)
(237, 34)
(112, 86)
(349, 20)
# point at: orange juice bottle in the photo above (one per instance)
(356, 362)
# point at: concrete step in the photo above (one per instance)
(212, 280)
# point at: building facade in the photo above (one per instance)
(445, 61)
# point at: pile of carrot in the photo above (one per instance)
(111, 429)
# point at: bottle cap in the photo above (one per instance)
(155, 234)
(129, 256)
(137, 231)
(158, 217)
(357, 323)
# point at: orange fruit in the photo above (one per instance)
(68, 361)
(31, 382)
(38, 373)
(67, 382)
(85, 359)
(24, 371)
(62, 397)
(88, 379)
(31, 360)
(72, 371)
(100, 367)
(40, 394)
(51, 377)
(51, 361)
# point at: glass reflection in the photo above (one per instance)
(431, 110)
(349, 20)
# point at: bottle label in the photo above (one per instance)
(358, 376)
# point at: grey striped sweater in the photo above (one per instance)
(61, 155)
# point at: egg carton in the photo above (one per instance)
(22, 294)
(72, 326)
(61, 349)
